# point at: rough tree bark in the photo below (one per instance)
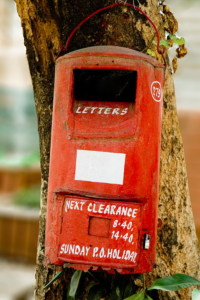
(47, 24)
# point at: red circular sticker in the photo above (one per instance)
(156, 91)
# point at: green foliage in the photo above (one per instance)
(150, 52)
(174, 283)
(31, 159)
(28, 197)
(121, 290)
(96, 291)
(178, 41)
(19, 161)
(163, 43)
(118, 287)
(58, 275)
(75, 286)
(130, 289)
(139, 296)
(196, 295)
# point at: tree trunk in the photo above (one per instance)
(46, 25)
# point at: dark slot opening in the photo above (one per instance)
(105, 85)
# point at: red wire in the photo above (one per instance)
(152, 23)
(63, 49)
(94, 13)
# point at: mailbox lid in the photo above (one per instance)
(111, 51)
(100, 232)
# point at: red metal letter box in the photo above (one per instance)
(104, 165)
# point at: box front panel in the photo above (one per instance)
(102, 233)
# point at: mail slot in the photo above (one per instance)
(104, 163)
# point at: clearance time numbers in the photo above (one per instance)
(126, 226)
(116, 235)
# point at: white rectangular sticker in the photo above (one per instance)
(96, 166)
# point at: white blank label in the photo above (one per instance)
(96, 166)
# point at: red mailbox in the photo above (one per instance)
(104, 165)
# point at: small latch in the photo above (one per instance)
(146, 245)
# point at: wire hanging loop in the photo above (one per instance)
(117, 2)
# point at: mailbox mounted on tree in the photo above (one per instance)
(104, 165)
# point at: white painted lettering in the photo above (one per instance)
(81, 205)
(71, 249)
(67, 205)
(118, 257)
(118, 212)
(77, 249)
(95, 250)
(82, 251)
(129, 212)
(101, 207)
(134, 213)
(124, 211)
(89, 207)
(107, 210)
(101, 254)
(78, 110)
(62, 248)
(100, 109)
(114, 253)
(115, 111)
(109, 253)
(92, 109)
(66, 249)
(127, 257)
(71, 204)
(133, 256)
(76, 207)
(112, 210)
(94, 211)
(87, 250)
(85, 110)
(124, 111)
(107, 111)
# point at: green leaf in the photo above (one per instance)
(54, 279)
(96, 292)
(163, 43)
(196, 295)
(138, 296)
(178, 41)
(42, 248)
(75, 285)
(150, 52)
(118, 286)
(147, 297)
(130, 289)
(91, 285)
(174, 283)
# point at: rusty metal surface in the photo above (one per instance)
(105, 151)
(113, 51)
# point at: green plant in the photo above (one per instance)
(170, 26)
(28, 197)
(123, 289)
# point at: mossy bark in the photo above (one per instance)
(47, 24)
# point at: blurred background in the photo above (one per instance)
(19, 145)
